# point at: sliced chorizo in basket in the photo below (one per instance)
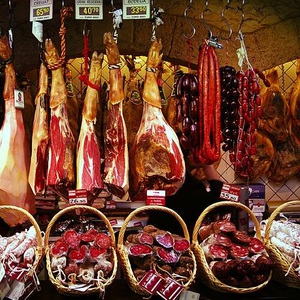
(238, 251)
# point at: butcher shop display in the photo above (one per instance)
(88, 156)
(156, 158)
(14, 149)
(61, 158)
(115, 136)
(230, 259)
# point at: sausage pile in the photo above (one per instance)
(285, 235)
(81, 257)
(17, 252)
(162, 251)
(235, 258)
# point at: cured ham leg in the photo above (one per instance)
(133, 104)
(88, 161)
(61, 161)
(40, 138)
(156, 158)
(14, 150)
(115, 136)
(276, 111)
(295, 103)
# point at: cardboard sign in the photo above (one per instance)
(151, 281)
(78, 196)
(230, 192)
(156, 197)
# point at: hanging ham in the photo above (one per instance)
(295, 103)
(156, 158)
(40, 139)
(88, 160)
(276, 112)
(14, 150)
(115, 135)
(133, 104)
(61, 161)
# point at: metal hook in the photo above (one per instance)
(85, 30)
(112, 4)
(241, 8)
(206, 9)
(187, 19)
(226, 21)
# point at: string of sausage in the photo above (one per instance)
(208, 150)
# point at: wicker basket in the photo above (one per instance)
(282, 272)
(123, 255)
(39, 248)
(100, 287)
(206, 275)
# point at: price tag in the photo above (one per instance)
(136, 9)
(170, 289)
(151, 281)
(230, 192)
(41, 10)
(19, 99)
(156, 197)
(37, 30)
(78, 196)
(89, 9)
(189, 295)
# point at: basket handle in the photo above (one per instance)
(220, 204)
(81, 207)
(147, 208)
(275, 213)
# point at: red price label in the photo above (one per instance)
(230, 192)
(78, 196)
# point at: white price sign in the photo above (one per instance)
(78, 196)
(89, 9)
(136, 9)
(41, 10)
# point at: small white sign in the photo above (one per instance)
(16, 290)
(41, 10)
(136, 9)
(37, 30)
(89, 9)
(19, 99)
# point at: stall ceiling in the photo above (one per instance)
(258, 14)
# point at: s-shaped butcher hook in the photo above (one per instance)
(188, 20)
(227, 6)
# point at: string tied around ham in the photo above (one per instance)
(4, 63)
(64, 12)
(115, 66)
(85, 76)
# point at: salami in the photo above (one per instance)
(215, 252)
(238, 251)
(256, 246)
(72, 238)
(102, 240)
